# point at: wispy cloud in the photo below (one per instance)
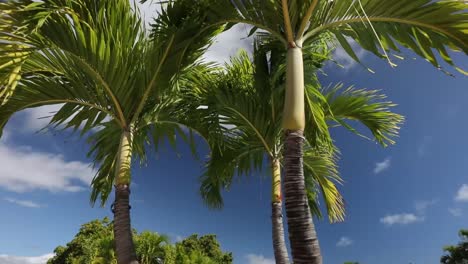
(422, 206)
(342, 57)
(24, 203)
(23, 170)
(382, 166)
(423, 147)
(401, 219)
(462, 194)
(455, 211)
(258, 259)
(419, 214)
(8, 259)
(344, 242)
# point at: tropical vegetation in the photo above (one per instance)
(94, 244)
(457, 254)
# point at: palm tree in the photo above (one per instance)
(242, 105)
(114, 82)
(380, 26)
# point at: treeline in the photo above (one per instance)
(94, 244)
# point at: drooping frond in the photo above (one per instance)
(368, 107)
(223, 165)
(104, 149)
(78, 111)
(321, 176)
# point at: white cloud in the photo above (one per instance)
(401, 219)
(344, 242)
(24, 203)
(455, 211)
(422, 206)
(258, 259)
(7, 259)
(382, 166)
(148, 10)
(228, 44)
(462, 194)
(34, 119)
(22, 170)
(342, 57)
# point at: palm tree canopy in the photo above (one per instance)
(241, 108)
(426, 27)
(108, 73)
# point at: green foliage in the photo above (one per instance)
(90, 245)
(94, 244)
(428, 28)
(240, 111)
(98, 62)
(204, 249)
(457, 254)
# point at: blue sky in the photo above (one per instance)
(404, 203)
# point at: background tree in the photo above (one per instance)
(89, 245)
(457, 254)
(204, 249)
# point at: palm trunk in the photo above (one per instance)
(302, 236)
(124, 247)
(279, 243)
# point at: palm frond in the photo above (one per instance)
(368, 107)
(78, 111)
(426, 27)
(223, 165)
(321, 176)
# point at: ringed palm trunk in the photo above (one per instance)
(302, 236)
(279, 244)
(124, 247)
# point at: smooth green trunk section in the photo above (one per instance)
(294, 111)
(124, 160)
(279, 242)
(276, 181)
